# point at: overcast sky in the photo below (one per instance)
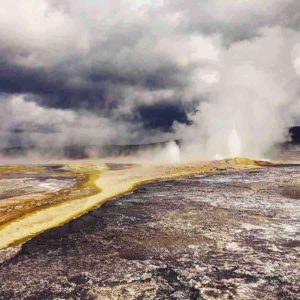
(125, 71)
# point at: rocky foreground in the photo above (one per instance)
(228, 235)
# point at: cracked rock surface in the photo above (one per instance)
(228, 235)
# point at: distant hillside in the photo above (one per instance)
(82, 151)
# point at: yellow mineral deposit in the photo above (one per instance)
(110, 183)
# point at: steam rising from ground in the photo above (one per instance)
(250, 109)
(171, 153)
(234, 145)
(223, 76)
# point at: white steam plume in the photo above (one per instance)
(249, 110)
(171, 152)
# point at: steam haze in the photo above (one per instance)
(223, 76)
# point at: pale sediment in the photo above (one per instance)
(112, 182)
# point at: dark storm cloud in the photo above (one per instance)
(111, 54)
(100, 90)
(163, 115)
(138, 64)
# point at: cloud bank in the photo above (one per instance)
(120, 71)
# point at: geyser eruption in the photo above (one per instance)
(171, 152)
(234, 143)
(234, 147)
(253, 101)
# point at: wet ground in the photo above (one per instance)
(228, 235)
(31, 181)
(26, 188)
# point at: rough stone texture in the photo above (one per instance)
(231, 235)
